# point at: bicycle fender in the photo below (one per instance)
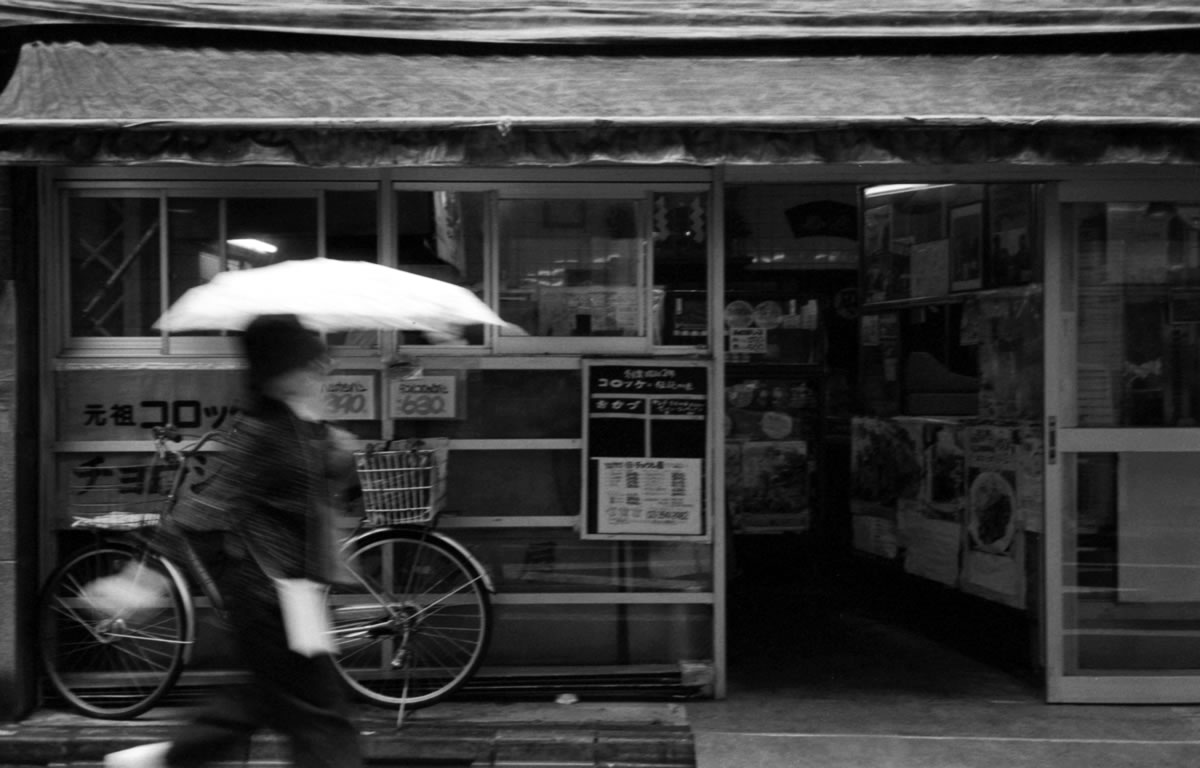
(470, 557)
(442, 538)
(189, 609)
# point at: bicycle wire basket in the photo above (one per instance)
(404, 485)
(120, 496)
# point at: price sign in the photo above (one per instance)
(350, 396)
(751, 341)
(427, 397)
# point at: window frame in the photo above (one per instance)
(165, 185)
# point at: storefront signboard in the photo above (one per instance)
(111, 404)
(646, 448)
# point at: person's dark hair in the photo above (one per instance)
(275, 345)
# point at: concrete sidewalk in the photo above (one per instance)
(451, 734)
(875, 695)
(867, 695)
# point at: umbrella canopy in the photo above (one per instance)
(328, 295)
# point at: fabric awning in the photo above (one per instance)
(74, 102)
(620, 20)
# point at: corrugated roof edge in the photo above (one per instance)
(600, 21)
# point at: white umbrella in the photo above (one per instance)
(328, 295)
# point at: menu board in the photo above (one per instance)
(645, 449)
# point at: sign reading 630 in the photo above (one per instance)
(428, 397)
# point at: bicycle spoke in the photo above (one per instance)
(427, 635)
(104, 665)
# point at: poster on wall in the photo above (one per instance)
(930, 516)
(645, 450)
(885, 466)
(773, 486)
(994, 556)
(966, 247)
(1007, 327)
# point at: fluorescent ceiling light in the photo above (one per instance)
(251, 244)
(891, 189)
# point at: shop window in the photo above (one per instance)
(115, 247)
(952, 320)
(440, 234)
(115, 271)
(257, 231)
(1139, 323)
(572, 267)
(681, 232)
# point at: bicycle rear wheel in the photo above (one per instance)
(110, 667)
(415, 626)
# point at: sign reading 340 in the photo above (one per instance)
(350, 396)
(428, 397)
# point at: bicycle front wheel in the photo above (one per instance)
(414, 625)
(107, 666)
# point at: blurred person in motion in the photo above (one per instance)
(282, 471)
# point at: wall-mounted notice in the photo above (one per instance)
(645, 449)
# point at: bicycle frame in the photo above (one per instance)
(192, 564)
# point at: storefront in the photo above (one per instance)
(956, 349)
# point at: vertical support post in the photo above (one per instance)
(719, 521)
(18, 570)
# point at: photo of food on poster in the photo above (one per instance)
(774, 486)
(993, 558)
(930, 517)
(885, 466)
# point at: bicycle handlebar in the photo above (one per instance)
(167, 432)
(170, 433)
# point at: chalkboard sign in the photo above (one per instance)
(646, 449)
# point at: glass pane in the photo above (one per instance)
(513, 483)
(556, 560)
(1132, 564)
(352, 225)
(352, 234)
(591, 635)
(571, 267)
(507, 404)
(258, 232)
(266, 230)
(114, 272)
(194, 251)
(680, 295)
(1138, 356)
(441, 235)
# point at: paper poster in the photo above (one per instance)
(649, 495)
(930, 521)
(930, 268)
(993, 558)
(885, 466)
(774, 486)
(931, 545)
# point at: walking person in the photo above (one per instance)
(281, 470)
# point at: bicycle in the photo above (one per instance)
(410, 627)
